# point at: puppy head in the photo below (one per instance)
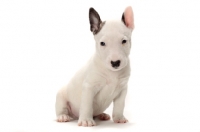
(113, 38)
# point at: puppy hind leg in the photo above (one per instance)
(103, 117)
(61, 108)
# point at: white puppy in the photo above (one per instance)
(104, 79)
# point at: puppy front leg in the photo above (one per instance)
(86, 108)
(118, 108)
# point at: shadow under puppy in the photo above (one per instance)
(104, 78)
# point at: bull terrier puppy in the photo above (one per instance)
(104, 78)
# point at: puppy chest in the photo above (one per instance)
(107, 93)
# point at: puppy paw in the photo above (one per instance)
(120, 119)
(104, 117)
(86, 122)
(63, 118)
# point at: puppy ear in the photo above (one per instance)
(127, 17)
(95, 20)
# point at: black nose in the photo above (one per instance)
(115, 64)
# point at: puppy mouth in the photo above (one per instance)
(116, 68)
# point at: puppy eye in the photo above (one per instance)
(123, 41)
(102, 44)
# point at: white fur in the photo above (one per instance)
(98, 84)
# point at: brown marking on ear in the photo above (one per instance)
(95, 21)
(123, 19)
(101, 26)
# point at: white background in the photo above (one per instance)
(44, 42)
